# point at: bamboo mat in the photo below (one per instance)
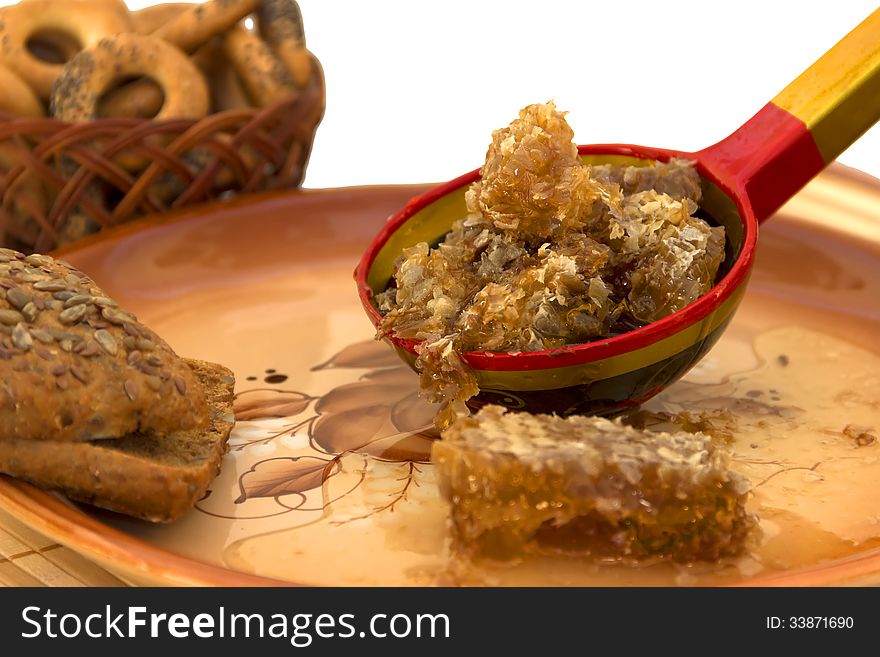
(28, 558)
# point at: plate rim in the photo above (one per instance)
(141, 562)
(132, 558)
(128, 557)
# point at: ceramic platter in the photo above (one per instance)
(328, 479)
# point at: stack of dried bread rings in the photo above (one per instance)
(79, 61)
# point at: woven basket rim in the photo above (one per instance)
(148, 165)
(112, 123)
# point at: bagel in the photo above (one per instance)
(94, 71)
(116, 5)
(263, 76)
(18, 98)
(224, 86)
(280, 24)
(53, 46)
(227, 91)
(119, 5)
(83, 21)
(196, 26)
(137, 99)
(150, 19)
(142, 98)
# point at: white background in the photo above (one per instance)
(414, 89)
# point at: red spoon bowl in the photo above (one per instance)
(745, 178)
(605, 376)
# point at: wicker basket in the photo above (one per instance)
(61, 181)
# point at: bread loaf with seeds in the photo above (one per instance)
(76, 367)
(152, 476)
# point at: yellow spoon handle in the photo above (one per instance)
(838, 97)
(805, 127)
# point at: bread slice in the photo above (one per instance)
(153, 476)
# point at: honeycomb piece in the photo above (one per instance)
(531, 484)
(445, 380)
(676, 178)
(675, 269)
(533, 182)
(551, 253)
